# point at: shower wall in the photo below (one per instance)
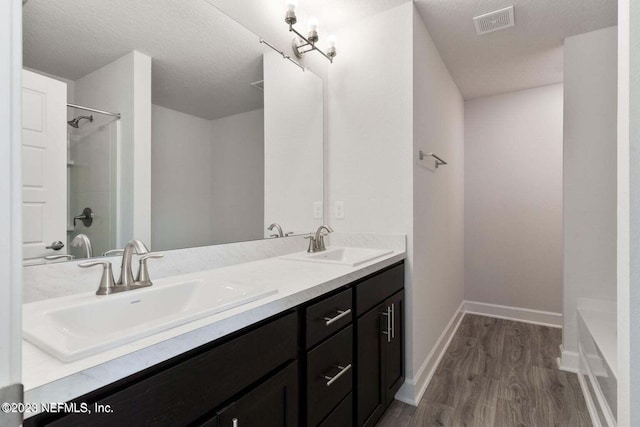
(92, 183)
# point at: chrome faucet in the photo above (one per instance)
(127, 282)
(316, 243)
(83, 241)
(277, 227)
(126, 274)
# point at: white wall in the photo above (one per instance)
(237, 177)
(10, 196)
(293, 145)
(180, 180)
(590, 100)
(438, 201)
(513, 199)
(207, 179)
(124, 86)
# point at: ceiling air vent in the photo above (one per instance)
(494, 21)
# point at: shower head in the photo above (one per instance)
(75, 122)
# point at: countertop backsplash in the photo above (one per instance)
(61, 279)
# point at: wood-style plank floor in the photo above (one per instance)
(497, 373)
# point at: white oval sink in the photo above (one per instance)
(339, 255)
(71, 328)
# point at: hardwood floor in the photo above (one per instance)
(497, 373)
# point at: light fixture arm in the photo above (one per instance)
(307, 42)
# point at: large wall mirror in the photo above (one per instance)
(164, 121)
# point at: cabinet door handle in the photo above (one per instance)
(393, 321)
(234, 422)
(343, 370)
(341, 314)
(388, 332)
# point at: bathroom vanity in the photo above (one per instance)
(333, 357)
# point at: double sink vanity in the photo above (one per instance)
(293, 339)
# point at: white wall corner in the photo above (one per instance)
(569, 360)
(518, 314)
(414, 388)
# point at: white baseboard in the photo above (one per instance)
(538, 317)
(414, 388)
(569, 360)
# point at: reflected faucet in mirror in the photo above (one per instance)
(83, 241)
(277, 227)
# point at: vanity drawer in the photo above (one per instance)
(329, 375)
(372, 291)
(328, 316)
(184, 393)
(342, 416)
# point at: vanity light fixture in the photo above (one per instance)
(302, 44)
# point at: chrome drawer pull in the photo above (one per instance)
(387, 313)
(343, 370)
(393, 321)
(341, 314)
(234, 422)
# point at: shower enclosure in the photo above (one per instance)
(92, 176)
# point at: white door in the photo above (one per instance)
(44, 164)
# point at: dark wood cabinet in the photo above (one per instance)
(370, 385)
(273, 403)
(183, 390)
(379, 344)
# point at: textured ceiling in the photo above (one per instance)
(203, 62)
(527, 55)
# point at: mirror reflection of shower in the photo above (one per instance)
(75, 123)
(92, 176)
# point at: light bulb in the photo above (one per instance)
(313, 24)
(331, 40)
(291, 5)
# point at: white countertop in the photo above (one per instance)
(46, 379)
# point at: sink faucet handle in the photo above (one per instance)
(143, 270)
(107, 282)
(312, 244)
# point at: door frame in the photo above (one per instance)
(10, 205)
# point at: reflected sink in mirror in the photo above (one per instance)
(342, 256)
(71, 328)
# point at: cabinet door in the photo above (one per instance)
(394, 348)
(370, 379)
(273, 403)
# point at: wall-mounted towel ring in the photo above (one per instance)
(439, 161)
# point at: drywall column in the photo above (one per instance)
(438, 210)
(124, 86)
(513, 200)
(628, 213)
(293, 145)
(382, 109)
(590, 92)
